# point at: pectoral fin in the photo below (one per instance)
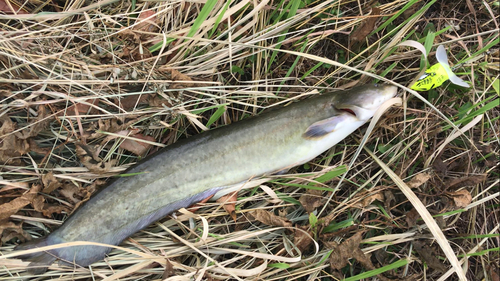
(324, 127)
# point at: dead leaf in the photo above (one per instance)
(86, 193)
(412, 217)
(38, 203)
(11, 7)
(82, 108)
(439, 166)
(347, 250)
(169, 270)
(311, 200)
(15, 144)
(137, 147)
(89, 156)
(229, 203)
(427, 254)
(462, 198)
(35, 148)
(10, 208)
(418, 180)
(389, 199)
(368, 200)
(145, 24)
(37, 125)
(493, 272)
(484, 150)
(350, 249)
(11, 147)
(411, 10)
(69, 191)
(366, 26)
(269, 218)
(131, 101)
(50, 183)
(184, 80)
(157, 101)
(58, 209)
(108, 125)
(465, 181)
(195, 207)
(302, 239)
(10, 230)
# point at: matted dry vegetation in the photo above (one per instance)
(89, 87)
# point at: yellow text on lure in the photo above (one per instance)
(437, 74)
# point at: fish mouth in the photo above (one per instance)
(348, 110)
(357, 112)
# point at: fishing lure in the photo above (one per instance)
(437, 74)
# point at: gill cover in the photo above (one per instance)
(352, 107)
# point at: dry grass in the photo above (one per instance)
(115, 72)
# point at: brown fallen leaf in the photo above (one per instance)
(269, 218)
(36, 125)
(11, 147)
(50, 183)
(439, 166)
(89, 156)
(145, 24)
(38, 203)
(366, 27)
(418, 180)
(10, 230)
(137, 147)
(84, 194)
(196, 206)
(485, 150)
(389, 199)
(368, 200)
(35, 148)
(311, 200)
(462, 198)
(412, 10)
(82, 108)
(465, 181)
(107, 125)
(10, 208)
(302, 239)
(11, 8)
(493, 272)
(169, 270)
(70, 192)
(350, 249)
(347, 250)
(48, 211)
(427, 254)
(412, 217)
(131, 101)
(229, 203)
(184, 80)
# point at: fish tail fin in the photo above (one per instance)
(39, 261)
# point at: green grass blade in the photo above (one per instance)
(204, 13)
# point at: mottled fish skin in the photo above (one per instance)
(195, 168)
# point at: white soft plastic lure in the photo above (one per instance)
(437, 74)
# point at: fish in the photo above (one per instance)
(200, 166)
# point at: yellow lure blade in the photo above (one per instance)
(434, 77)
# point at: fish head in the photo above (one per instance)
(362, 102)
